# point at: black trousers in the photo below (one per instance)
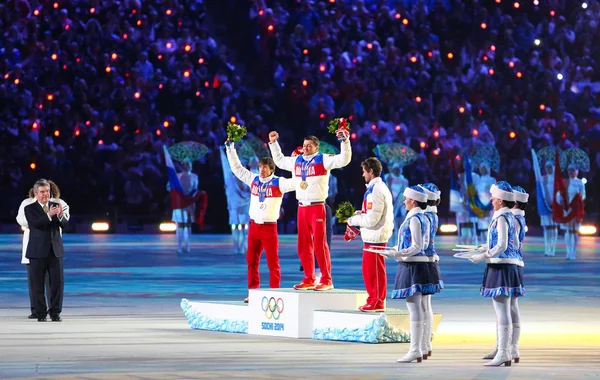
(31, 293)
(54, 267)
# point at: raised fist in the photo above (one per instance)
(342, 134)
(273, 136)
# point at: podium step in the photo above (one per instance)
(289, 312)
(217, 316)
(391, 326)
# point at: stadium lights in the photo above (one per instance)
(584, 5)
(167, 227)
(537, 42)
(588, 229)
(448, 228)
(559, 76)
(584, 180)
(100, 226)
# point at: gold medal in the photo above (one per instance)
(303, 185)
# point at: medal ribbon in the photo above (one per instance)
(305, 166)
(262, 190)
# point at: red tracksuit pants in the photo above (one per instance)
(312, 239)
(263, 236)
(373, 269)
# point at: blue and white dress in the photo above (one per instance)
(414, 274)
(434, 266)
(504, 272)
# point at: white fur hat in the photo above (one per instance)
(520, 194)
(502, 190)
(415, 192)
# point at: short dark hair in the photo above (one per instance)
(434, 203)
(314, 139)
(521, 205)
(267, 161)
(372, 163)
(509, 204)
(422, 205)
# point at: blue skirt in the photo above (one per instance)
(437, 273)
(416, 277)
(503, 280)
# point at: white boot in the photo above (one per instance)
(514, 347)
(416, 338)
(186, 239)
(574, 241)
(426, 344)
(504, 343)
(179, 234)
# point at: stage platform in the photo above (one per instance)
(122, 317)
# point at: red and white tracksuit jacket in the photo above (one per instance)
(265, 205)
(376, 222)
(311, 204)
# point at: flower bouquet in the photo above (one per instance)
(339, 127)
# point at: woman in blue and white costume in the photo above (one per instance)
(413, 277)
(503, 277)
(433, 200)
(548, 224)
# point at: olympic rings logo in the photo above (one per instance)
(272, 307)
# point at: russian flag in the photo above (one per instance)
(178, 199)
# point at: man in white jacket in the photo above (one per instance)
(310, 172)
(376, 222)
(265, 203)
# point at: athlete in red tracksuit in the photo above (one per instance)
(310, 171)
(376, 222)
(265, 202)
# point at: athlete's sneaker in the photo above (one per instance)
(323, 287)
(305, 286)
(372, 308)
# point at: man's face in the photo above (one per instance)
(43, 194)
(309, 147)
(264, 171)
(367, 174)
(549, 169)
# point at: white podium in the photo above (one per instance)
(289, 312)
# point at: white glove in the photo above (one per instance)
(342, 134)
(390, 254)
(476, 259)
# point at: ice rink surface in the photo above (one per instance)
(122, 320)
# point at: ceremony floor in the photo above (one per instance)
(122, 319)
